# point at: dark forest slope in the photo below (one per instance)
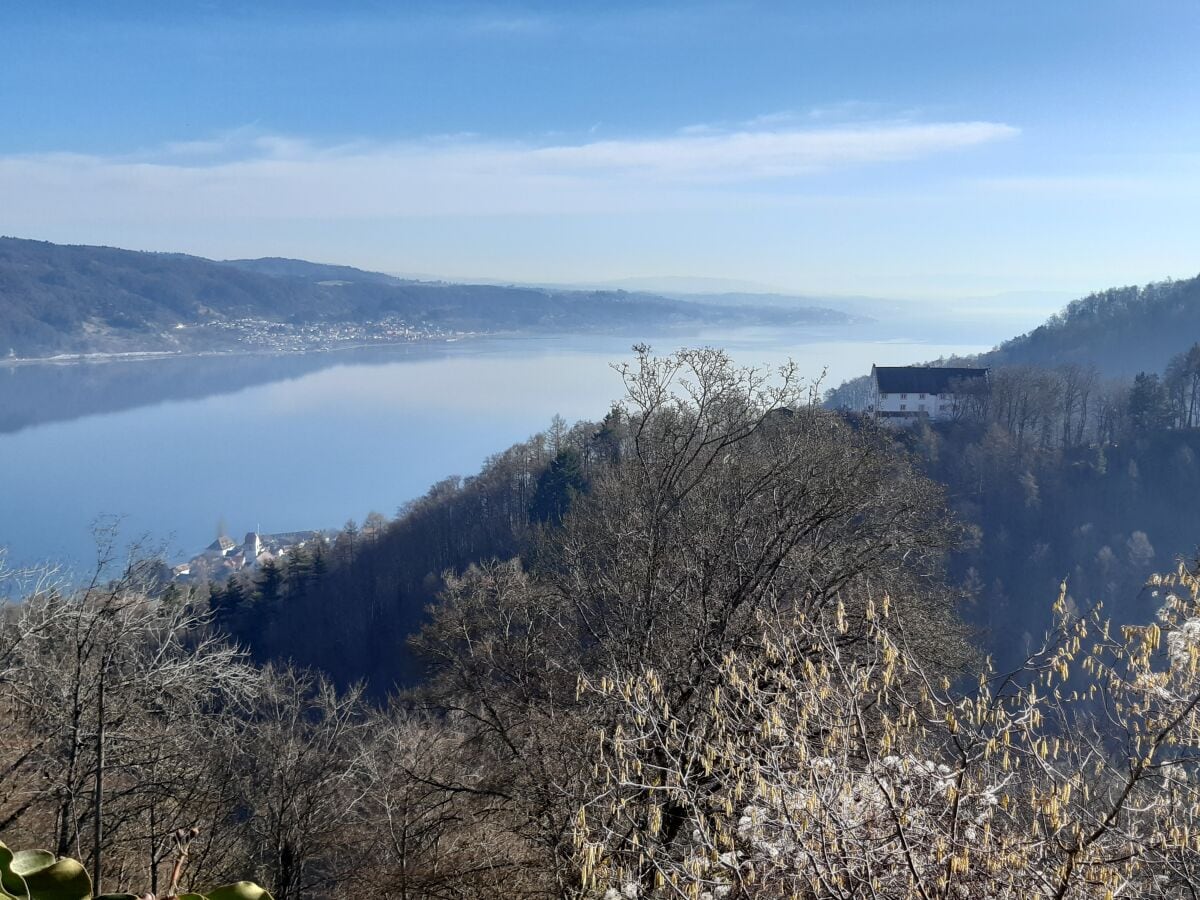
(1121, 331)
(1118, 332)
(1067, 477)
(1103, 516)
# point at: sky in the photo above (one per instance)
(898, 149)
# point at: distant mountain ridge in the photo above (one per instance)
(59, 299)
(282, 267)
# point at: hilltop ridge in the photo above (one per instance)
(59, 299)
(1119, 332)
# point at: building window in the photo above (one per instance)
(903, 405)
(922, 397)
(903, 397)
(883, 396)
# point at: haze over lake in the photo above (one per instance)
(298, 442)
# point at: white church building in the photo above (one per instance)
(903, 395)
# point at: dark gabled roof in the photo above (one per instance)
(921, 379)
(222, 544)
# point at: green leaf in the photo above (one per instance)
(26, 862)
(65, 879)
(37, 875)
(242, 890)
(12, 885)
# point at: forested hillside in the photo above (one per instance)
(1080, 465)
(70, 299)
(1059, 475)
(298, 268)
(348, 608)
(1063, 483)
(1121, 331)
(1116, 333)
(718, 657)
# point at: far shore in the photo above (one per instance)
(74, 359)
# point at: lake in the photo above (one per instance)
(181, 447)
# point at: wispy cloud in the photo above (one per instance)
(842, 112)
(260, 175)
(762, 154)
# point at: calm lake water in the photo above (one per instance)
(178, 447)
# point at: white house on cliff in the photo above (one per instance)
(902, 395)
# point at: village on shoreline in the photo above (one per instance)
(246, 337)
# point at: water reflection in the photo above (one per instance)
(296, 442)
(53, 392)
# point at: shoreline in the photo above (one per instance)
(816, 330)
(100, 358)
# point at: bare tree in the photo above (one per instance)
(735, 498)
(301, 775)
(868, 776)
(104, 681)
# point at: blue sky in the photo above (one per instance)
(911, 149)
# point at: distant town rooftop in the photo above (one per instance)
(922, 379)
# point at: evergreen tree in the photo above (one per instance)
(1149, 406)
(320, 559)
(607, 439)
(230, 606)
(299, 571)
(556, 487)
(270, 586)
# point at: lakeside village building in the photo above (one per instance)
(903, 395)
(224, 556)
